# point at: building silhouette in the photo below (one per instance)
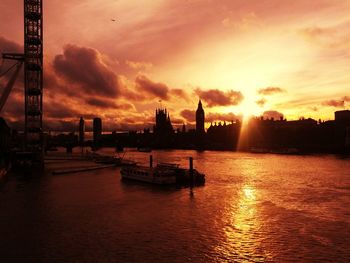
(200, 119)
(342, 116)
(302, 136)
(183, 128)
(342, 122)
(163, 124)
(261, 134)
(97, 129)
(223, 136)
(81, 131)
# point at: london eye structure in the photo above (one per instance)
(32, 59)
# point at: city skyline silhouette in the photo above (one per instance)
(251, 64)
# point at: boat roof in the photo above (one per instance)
(170, 165)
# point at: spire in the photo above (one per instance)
(200, 104)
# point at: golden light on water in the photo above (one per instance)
(242, 229)
(249, 193)
(244, 217)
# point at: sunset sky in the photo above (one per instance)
(239, 56)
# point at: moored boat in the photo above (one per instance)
(154, 175)
(163, 174)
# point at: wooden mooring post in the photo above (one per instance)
(191, 176)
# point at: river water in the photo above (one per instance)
(253, 208)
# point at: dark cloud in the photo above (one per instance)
(146, 89)
(52, 85)
(132, 95)
(108, 104)
(57, 110)
(101, 103)
(261, 102)
(215, 97)
(272, 114)
(189, 115)
(270, 91)
(213, 117)
(14, 106)
(84, 67)
(145, 85)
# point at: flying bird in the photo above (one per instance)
(113, 20)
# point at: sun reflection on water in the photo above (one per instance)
(244, 217)
(242, 236)
(249, 193)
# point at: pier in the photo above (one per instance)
(82, 169)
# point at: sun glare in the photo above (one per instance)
(249, 108)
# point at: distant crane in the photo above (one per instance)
(33, 79)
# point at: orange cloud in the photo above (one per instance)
(336, 103)
(137, 65)
(270, 90)
(180, 93)
(261, 102)
(189, 115)
(215, 116)
(334, 37)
